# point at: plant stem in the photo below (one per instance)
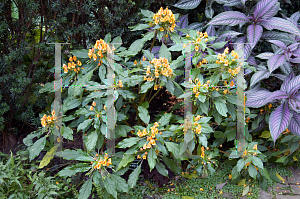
(154, 95)
(156, 31)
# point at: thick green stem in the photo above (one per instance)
(153, 40)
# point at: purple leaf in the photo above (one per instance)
(294, 105)
(230, 18)
(228, 33)
(254, 33)
(272, 12)
(183, 23)
(296, 52)
(279, 120)
(286, 68)
(263, 7)
(295, 61)
(280, 24)
(227, 8)
(278, 43)
(258, 76)
(295, 17)
(273, 35)
(275, 61)
(284, 86)
(265, 55)
(196, 26)
(276, 95)
(211, 31)
(293, 86)
(294, 126)
(251, 60)
(279, 76)
(293, 46)
(187, 4)
(257, 99)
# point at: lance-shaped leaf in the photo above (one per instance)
(251, 60)
(183, 23)
(278, 43)
(294, 46)
(258, 76)
(276, 95)
(294, 126)
(228, 33)
(295, 61)
(280, 24)
(294, 105)
(286, 68)
(257, 99)
(75, 155)
(275, 61)
(195, 26)
(263, 7)
(296, 52)
(279, 76)
(230, 18)
(284, 86)
(211, 31)
(265, 55)
(294, 85)
(272, 12)
(254, 33)
(273, 35)
(295, 17)
(187, 4)
(279, 120)
(86, 189)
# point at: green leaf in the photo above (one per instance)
(125, 160)
(215, 78)
(257, 162)
(86, 189)
(133, 177)
(72, 170)
(219, 45)
(110, 187)
(172, 165)
(170, 86)
(265, 134)
(252, 171)
(165, 119)
(117, 40)
(162, 148)
(164, 52)
(122, 130)
(152, 158)
(107, 38)
(221, 108)
(161, 169)
(84, 125)
(83, 53)
(128, 142)
(176, 47)
(91, 140)
(212, 65)
(148, 55)
(102, 72)
(147, 13)
(140, 27)
(245, 191)
(282, 159)
(203, 140)
(75, 155)
(68, 105)
(67, 133)
(36, 148)
(146, 86)
(240, 165)
(48, 157)
(121, 183)
(230, 134)
(143, 114)
(172, 147)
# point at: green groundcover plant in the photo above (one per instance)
(166, 138)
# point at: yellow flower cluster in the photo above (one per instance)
(103, 162)
(165, 18)
(161, 66)
(48, 119)
(223, 59)
(151, 138)
(102, 48)
(72, 65)
(198, 126)
(198, 84)
(202, 152)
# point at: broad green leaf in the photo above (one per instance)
(164, 52)
(75, 155)
(143, 114)
(165, 119)
(107, 38)
(176, 47)
(170, 86)
(265, 134)
(48, 157)
(215, 78)
(86, 189)
(172, 147)
(122, 130)
(152, 158)
(83, 53)
(67, 133)
(240, 165)
(121, 184)
(252, 171)
(115, 41)
(146, 86)
(147, 13)
(219, 45)
(148, 55)
(91, 140)
(245, 191)
(72, 170)
(257, 162)
(221, 108)
(70, 105)
(110, 186)
(203, 140)
(172, 165)
(128, 142)
(36, 148)
(125, 160)
(84, 124)
(161, 169)
(133, 177)
(140, 27)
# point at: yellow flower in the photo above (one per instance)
(144, 157)
(221, 192)
(94, 103)
(255, 147)
(201, 189)
(120, 83)
(135, 62)
(70, 59)
(230, 177)
(91, 108)
(104, 107)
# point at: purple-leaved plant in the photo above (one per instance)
(287, 114)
